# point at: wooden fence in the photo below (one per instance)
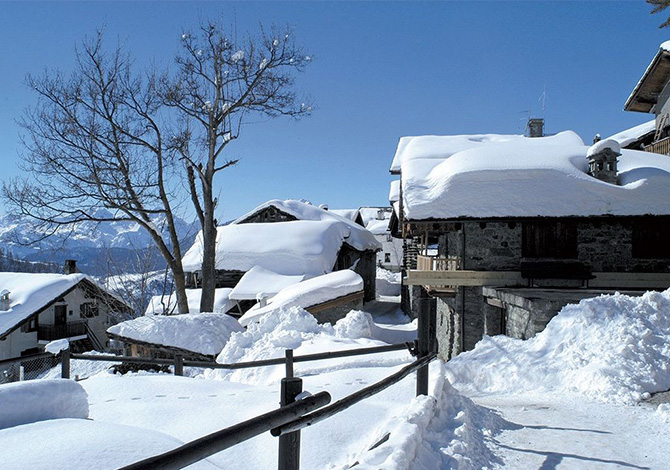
(294, 412)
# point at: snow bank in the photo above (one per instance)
(308, 293)
(387, 282)
(443, 430)
(79, 443)
(40, 400)
(295, 328)
(204, 333)
(167, 304)
(611, 348)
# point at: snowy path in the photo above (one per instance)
(552, 431)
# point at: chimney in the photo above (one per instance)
(535, 127)
(602, 157)
(5, 301)
(70, 266)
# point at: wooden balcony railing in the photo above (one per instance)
(53, 332)
(660, 146)
(436, 263)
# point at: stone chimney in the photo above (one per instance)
(5, 301)
(535, 127)
(70, 266)
(602, 157)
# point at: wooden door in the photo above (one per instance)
(60, 314)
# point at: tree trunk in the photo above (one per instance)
(180, 288)
(208, 255)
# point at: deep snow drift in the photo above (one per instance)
(613, 348)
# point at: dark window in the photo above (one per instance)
(88, 310)
(651, 239)
(387, 257)
(30, 325)
(549, 239)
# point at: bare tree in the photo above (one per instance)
(220, 82)
(111, 137)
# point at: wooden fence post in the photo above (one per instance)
(289, 363)
(65, 363)
(289, 444)
(424, 346)
(178, 364)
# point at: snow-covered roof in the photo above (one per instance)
(629, 136)
(301, 211)
(309, 293)
(167, 304)
(305, 247)
(30, 293)
(351, 214)
(293, 248)
(515, 176)
(203, 333)
(394, 192)
(261, 281)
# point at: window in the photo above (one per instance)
(30, 325)
(387, 257)
(88, 310)
(651, 239)
(549, 239)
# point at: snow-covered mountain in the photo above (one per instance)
(99, 248)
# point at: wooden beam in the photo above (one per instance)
(514, 278)
(464, 278)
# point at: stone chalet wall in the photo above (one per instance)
(606, 244)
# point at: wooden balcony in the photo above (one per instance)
(438, 264)
(660, 146)
(53, 332)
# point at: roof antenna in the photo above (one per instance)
(543, 98)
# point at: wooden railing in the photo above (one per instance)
(437, 263)
(661, 146)
(68, 330)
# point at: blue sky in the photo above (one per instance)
(382, 70)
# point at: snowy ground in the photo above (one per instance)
(585, 394)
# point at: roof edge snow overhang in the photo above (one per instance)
(645, 94)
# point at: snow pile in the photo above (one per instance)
(601, 145)
(167, 304)
(30, 292)
(308, 293)
(56, 346)
(523, 177)
(387, 282)
(444, 430)
(612, 348)
(82, 443)
(204, 333)
(663, 411)
(40, 400)
(295, 328)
